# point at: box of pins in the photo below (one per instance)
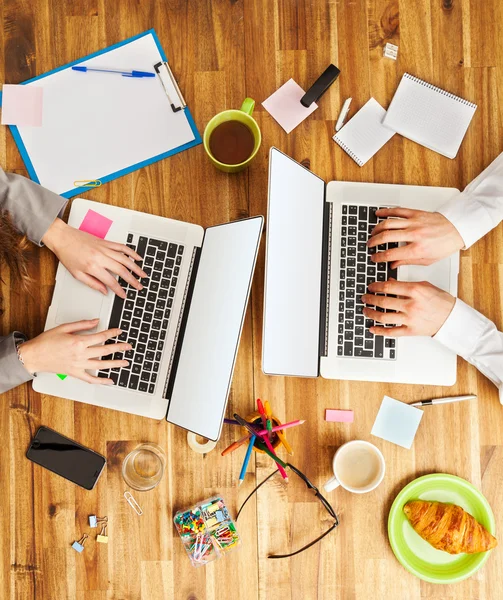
(207, 531)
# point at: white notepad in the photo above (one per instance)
(364, 134)
(429, 115)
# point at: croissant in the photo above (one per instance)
(448, 527)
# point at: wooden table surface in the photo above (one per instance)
(221, 52)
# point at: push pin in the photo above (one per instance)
(94, 521)
(79, 546)
(102, 537)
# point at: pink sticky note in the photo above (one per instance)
(284, 105)
(95, 224)
(339, 416)
(22, 105)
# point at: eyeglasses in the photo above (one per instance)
(317, 493)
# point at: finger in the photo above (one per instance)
(84, 376)
(389, 236)
(79, 326)
(92, 282)
(390, 318)
(390, 224)
(396, 288)
(401, 253)
(391, 332)
(120, 270)
(102, 337)
(97, 365)
(124, 250)
(410, 261)
(129, 264)
(402, 213)
(110, 281)
(99, 351)
(384, 302)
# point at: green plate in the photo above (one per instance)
(414, 553)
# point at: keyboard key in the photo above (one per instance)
(154, 286)
(359, 341)
(123, 379)
(149, 261)
(155, 367)
(143, 386)
(138, 311)
(145, 327)
(178, 260)
(369, 344)
(151, 388)
(151, 251)
(136, 323)
(143, 338)
(352, 231)
(156, 276)
(147, 317)
(359, 320)
(379, 346)
(158, 265)
(362, 213)
(392, 354)
(136, 368)
(348, 349)
(351, 262)
(145, 376)
(353, 210)
(156, 324)
(363, 353)
(372, 214)
(133, 382)
(344, 209)
(149, 355)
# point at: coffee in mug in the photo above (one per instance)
(358, 466)
(232, 142)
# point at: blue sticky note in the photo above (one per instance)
(397, 422)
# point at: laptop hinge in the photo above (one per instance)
(326, 257)
(182, 324)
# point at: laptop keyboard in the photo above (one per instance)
(357, 272)
(144, 316)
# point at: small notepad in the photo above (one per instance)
(364, 134)
(397, 422)
(429, 115)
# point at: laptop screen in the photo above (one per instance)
(293, 269)
(214, 324)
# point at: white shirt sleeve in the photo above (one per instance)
(474, 337)
(479, 208)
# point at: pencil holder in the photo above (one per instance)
(256, 419)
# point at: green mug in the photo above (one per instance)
(243, 115)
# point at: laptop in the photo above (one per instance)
(184, 325)
(317, 268)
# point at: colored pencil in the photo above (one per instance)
(271, 449)
(262, 412)
(277, 459)
(235, 445)
(247, 458)
(230, 422)
(268, 413)
(284, 441)
(263, 432)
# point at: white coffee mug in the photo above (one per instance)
(358, 466)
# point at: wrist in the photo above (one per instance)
(27, 354)
(53, 234)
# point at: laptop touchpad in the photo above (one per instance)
(77, 301)
(437, 274)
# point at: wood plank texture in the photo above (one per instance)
(221, 52)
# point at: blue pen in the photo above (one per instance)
(123, 73)
(247, 459)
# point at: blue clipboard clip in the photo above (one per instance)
(170, 86)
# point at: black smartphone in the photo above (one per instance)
(67, 458)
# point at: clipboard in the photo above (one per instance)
(98, 127)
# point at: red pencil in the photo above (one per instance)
(262, 412)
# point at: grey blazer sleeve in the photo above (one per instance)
(32, 208)
(12, 372)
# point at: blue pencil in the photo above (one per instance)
(247, 459)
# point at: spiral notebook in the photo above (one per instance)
(429, 115)
(364, 134)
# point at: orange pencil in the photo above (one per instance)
(235, 445)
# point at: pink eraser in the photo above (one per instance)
(340, 416)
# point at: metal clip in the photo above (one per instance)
(87, 183)
(79, 546)
(170, 86)
(133, 504)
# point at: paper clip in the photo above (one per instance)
(87, 183)
(133, 504)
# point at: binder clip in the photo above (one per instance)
(79, 546)
(102, 537)
(170, 86)
(94, 521)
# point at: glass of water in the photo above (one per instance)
(143, 468)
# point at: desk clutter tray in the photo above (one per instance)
(206, 530)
